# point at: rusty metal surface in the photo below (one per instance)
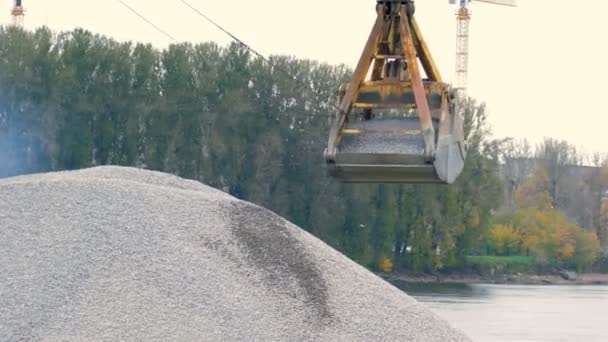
(351, 91)
(363, 66)
(424, 112)
(382, 94)
(426, 59)
(411, 174)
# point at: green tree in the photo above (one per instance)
(253, 129)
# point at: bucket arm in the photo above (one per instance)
(352, 89)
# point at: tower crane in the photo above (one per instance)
(18, 13)
(463, 19)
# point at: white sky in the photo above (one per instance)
(539, 67)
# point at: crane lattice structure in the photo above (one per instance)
(462, 48)
(18, 13)
(463, 21)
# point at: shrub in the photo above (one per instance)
(386, 265)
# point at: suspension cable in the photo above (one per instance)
(148, 21)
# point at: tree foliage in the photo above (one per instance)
(223, 117)
(538, 229)
(505, 240)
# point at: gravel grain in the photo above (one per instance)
(120, 254)
(386, 138)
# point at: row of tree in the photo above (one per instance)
(555, 205)
(254, 129)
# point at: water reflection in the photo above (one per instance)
(497, 313)
(438, 289)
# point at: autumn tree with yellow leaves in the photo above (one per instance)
(505, 239)
(537, 229)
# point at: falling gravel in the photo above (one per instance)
(120, 254)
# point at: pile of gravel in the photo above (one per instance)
(118, 254)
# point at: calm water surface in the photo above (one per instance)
(497, 313)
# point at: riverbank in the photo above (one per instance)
(514, 279)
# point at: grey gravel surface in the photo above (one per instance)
(119, 254)
(385, 139)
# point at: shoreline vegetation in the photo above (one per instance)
(513, 279)
(500, 270)
(221, 116)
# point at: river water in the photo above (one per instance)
(514, 313)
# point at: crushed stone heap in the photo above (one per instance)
(120, 254)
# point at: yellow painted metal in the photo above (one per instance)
(351, 91)
(426, 59)
(424, 112)
(390, 94)
(405, 148)
(363, 65)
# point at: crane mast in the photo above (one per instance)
(18, 13)
(462, 48)
(463, 21)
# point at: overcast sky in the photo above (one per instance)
(541, 67)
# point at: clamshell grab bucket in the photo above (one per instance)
(426, 148)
